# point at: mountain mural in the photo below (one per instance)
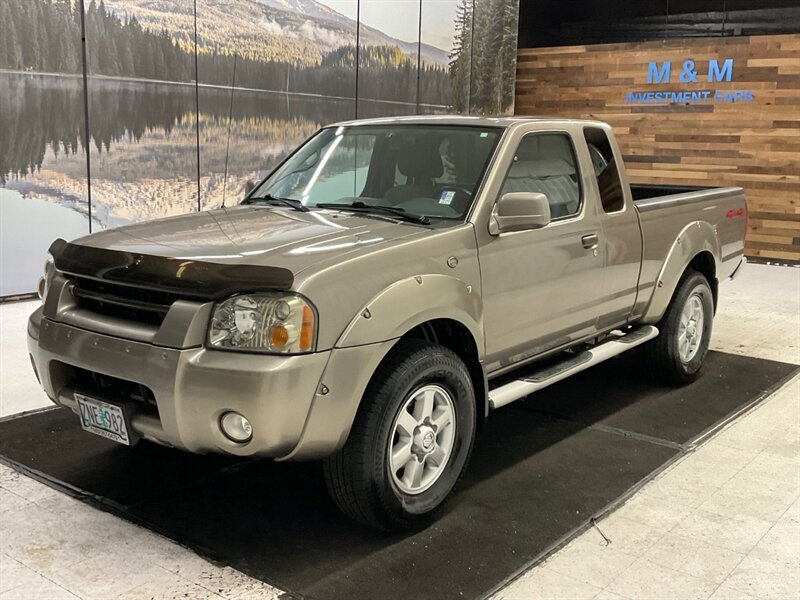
(268, 74)
(297, 31)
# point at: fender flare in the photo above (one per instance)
(697, 237)
(410, 302)
(367, 340)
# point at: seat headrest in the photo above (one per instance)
(543, 155)
(420, 159)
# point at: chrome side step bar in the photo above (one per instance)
(533, 382)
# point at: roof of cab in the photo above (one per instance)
(473, 120)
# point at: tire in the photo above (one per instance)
(673, 357)
(360, 476)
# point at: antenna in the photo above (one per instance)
(230, 120)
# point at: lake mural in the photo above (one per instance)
(167, 137)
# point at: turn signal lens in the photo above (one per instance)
(41, 290)
(44, 282)
(307, 330)
(278, 336)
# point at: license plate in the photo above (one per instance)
(104, 419)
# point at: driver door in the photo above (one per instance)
(540, 286)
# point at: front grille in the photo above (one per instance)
(103, 387)
(125, 302)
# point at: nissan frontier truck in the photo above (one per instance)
(374, 299)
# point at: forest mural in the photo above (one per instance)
(484, 56)
(257, 78)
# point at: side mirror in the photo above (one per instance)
(249, 186)
(518, 211)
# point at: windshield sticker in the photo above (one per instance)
(447, 197)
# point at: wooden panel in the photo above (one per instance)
(755, 145)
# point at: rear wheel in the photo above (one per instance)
(411, 439)
(677, 354)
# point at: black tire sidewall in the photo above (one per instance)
(693, 284)
(439, 367)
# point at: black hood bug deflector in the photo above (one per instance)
(189, 278)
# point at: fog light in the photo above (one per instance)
(236, 427)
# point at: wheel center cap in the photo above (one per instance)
(425, 439)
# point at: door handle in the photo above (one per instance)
(590, 241)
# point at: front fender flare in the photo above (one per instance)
(367, 340)
(411, 302)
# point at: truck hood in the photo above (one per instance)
(253, 235)
(201, 251)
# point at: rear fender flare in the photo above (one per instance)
(695, 238)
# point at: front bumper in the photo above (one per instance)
(193, 387)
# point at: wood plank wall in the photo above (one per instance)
(754, 145)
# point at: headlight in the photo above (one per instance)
(44, 280)
(268, 322)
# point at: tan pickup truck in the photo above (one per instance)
(362, 303)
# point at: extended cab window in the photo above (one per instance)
(605, 169)
(545, 163)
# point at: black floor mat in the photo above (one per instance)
(541, 469)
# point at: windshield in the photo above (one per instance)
(429, 170)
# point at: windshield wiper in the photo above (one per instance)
(290, 202)
(359, 206)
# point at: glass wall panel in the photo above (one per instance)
(480, 37)
(141, 110)
(494, 56)
(446, 36)
(388, 56)
(281, 73)
(43, 192)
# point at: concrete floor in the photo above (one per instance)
(724, 522)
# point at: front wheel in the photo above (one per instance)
(677, 354)
(411, 439)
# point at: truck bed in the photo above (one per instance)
(649, 191)
(665, 211)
